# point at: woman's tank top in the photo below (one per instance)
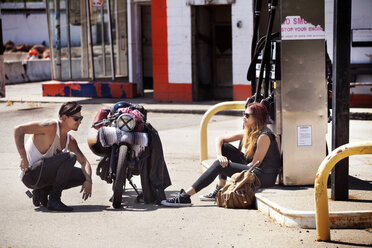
(272, 161)
(34, 155)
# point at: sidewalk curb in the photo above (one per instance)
(306, 219)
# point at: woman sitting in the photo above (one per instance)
(258, 144)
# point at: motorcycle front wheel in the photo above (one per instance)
(120, 178)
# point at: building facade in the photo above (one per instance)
(200, 51)
(185, 50)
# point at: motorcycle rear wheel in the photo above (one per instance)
(121, 176)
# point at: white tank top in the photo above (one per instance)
(34, 155)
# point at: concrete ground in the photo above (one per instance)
(94, 223)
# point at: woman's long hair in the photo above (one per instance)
(260, 115)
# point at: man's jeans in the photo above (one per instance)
(54, 174)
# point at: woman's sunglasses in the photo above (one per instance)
(246, 115)
(77, 118)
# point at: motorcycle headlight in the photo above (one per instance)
(126, 122)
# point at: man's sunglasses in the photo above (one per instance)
(77, 118)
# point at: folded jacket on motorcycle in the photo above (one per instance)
(112, 135)
(153, 169)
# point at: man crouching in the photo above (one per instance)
(49, 156)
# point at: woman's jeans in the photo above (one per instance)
(237, 163)
(54, 174)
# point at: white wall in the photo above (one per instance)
(27, 30)
(328, 19)
(361, 14)
(242, 39)
(33, 28)
(360, 18)
(179, 41)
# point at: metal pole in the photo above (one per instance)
(84, 49)
(103, 39)
(341, 95)
(2, 69)
(51, 48)
(117, 37)
(58, 40)
(320, 185)
(68, 39)
(90, 40)
(111, 44)
(205, 119)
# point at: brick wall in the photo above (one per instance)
(172, 53)
(179, 50)
(242, 38)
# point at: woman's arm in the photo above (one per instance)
(220, 140)
(263, 144)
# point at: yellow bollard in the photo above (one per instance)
(207, 116)
(320, 185)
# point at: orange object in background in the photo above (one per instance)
(32, 54)
(46, 54)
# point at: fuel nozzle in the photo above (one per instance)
(253, 99)
(269, 104)
(268, 101)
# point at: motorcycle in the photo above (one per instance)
(120, 136)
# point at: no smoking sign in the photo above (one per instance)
(296, 28)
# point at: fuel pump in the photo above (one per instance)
(265, 66)
(289, 71)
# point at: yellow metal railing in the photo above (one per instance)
(320, 185)
(207, 116)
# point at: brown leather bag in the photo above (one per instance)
(239, 191)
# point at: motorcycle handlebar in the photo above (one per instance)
(105, 121)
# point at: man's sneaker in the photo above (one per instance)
(180, 200)
(211, 196)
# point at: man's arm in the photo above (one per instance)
(85, 167)
(29, 128)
